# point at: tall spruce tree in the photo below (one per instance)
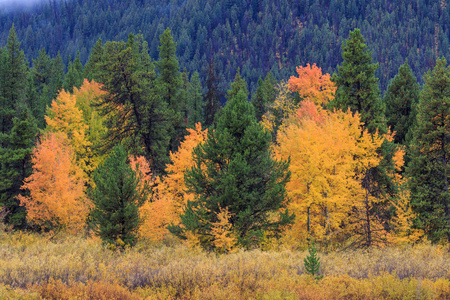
(429, 169)
(57, 78)
(213, 93)
(96, 56)
(116, 196)
(74, 76)
(401, 98)
(136, 113)
(237, 85)
(357, 89)
(357, 85)
(17, 129)
(170, 82)
(196, 111)
(15, 165)
(265, 94)
(234, 170)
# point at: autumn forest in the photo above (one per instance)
(125, 176)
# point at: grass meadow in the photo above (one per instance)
(34, 266)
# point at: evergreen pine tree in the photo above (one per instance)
(37, 107)
(170, 82)
(357, 84)
(358, 90)
(17, 69)
(17, 128)
(237, 85)
(136, 113)
(429, 168)
(90, 68)
(196, 105)
(401, 98)
(213, 94)
(69, 78)
(39, 80)
(116, 197)
(74, 76)
(234, 170)
(312, 262)
(265, 94)
(15, 165)
(184, 96)
(6, 106)
(258, 101)
(57, 77)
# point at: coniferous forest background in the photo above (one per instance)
(257, 36)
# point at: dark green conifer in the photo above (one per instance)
(237, 85)
(196, 105)
(357, 89)
(401, 98)
(170, 85)
(357, 84)
(90, 68)
(213, 94)
(116, 197)
(312, 262)
(136, 113)
(57, 77)
(234, 169)
(265, 94)
(17, 129)
(15, 165)
(429, 169)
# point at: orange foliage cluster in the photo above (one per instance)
(312, 85)
(57, 186)
(169, 193)
(55, 289)
(74, 115)
(224, 239)
(64, 161)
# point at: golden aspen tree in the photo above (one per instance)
(75, 115)
(312, 85)
(280, 109)
(57, 187)
(169, 193)
(64, 116)
(224, 239)
(327, 153)
(404, 217)
(87, 97)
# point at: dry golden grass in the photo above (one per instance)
(66, 267)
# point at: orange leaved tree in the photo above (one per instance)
(312, 85)
(75, 115)
(169, 193)
(57, 187)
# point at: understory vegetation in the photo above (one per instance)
(34, 266)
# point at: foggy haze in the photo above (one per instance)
(17, 4)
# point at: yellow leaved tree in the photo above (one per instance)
(169, 193)
(74, 115)
(327, 155)
(224, 239)
(311, 85)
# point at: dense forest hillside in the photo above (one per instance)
(257, 36)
